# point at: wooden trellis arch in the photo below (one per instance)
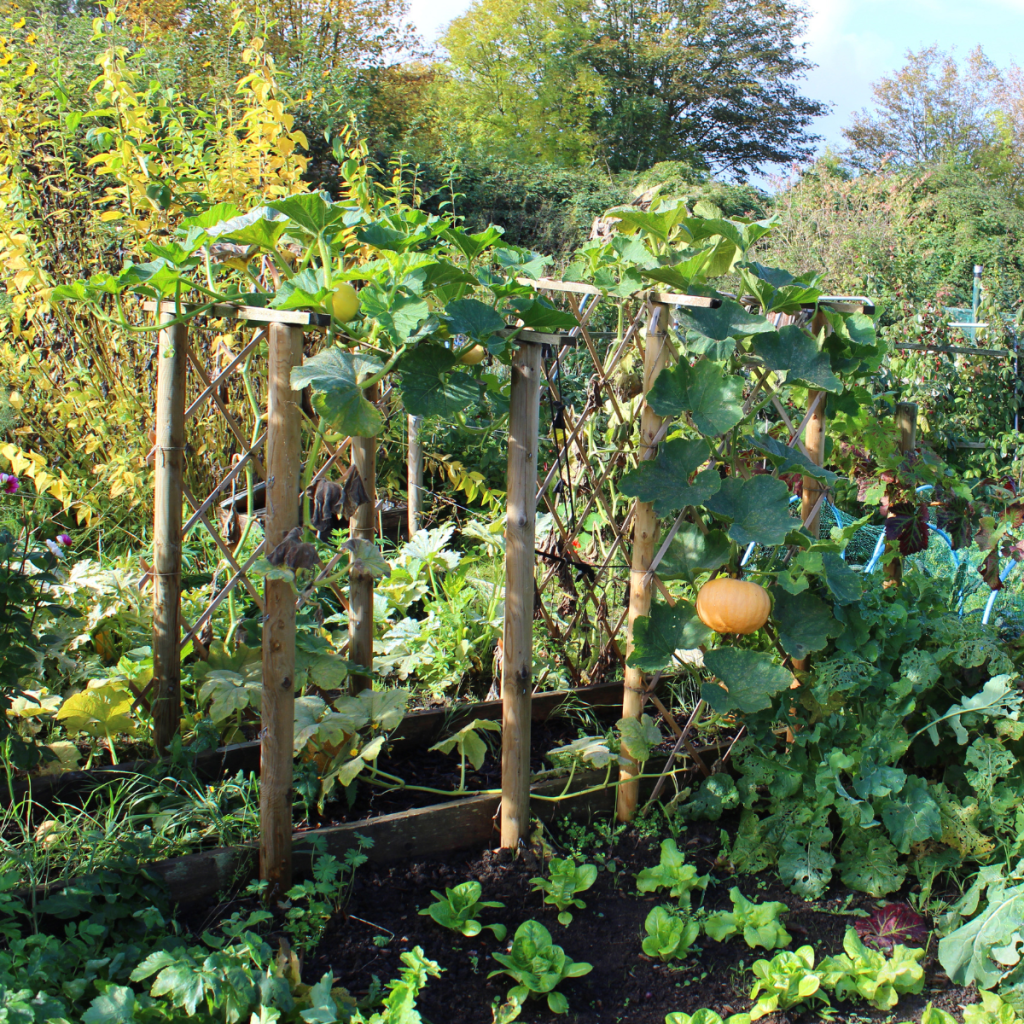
(646, 327)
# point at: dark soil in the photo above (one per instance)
(625, 985)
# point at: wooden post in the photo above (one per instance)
(414, 460)
(645, 532)
(906, 420)
(520, 562)
(169, 465)
(284, 463)
(363, 526)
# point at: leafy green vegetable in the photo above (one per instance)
(567, 878)
(538, 965)
(758, 923)
(672, 873)
(669, 937)
(869, 975)
(756, 509)
(334, 375)
(784, 981)
(459, 908)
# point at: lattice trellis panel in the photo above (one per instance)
(218, 393)
(582, 592)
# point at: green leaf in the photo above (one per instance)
(472, 246)
(334, 374)
(795, 351)
(975, 951)
(846, 585)
(398, 315)
(303, 291)
(681, 276)
(714, 330)
(116, 1005)
(789, 460)
(691, 553)
(913, 815)
(430, 388)
(804, 863)
(869, 864)
(261, 226)
(639, 735)
(473, 318)
(664, 480)
(750, 678)
(758, 509)
(665, 630)
(538, 315)
(313, 212)
(804, 621)
(713, 397)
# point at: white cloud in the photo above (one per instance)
(431, 16)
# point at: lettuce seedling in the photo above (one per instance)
(567, 879)
(758, 923)
(869, 975)
(672, 873)
(992, 1009)
(459, 907)
(669, 937)
(538, 965)
(705, 1017)
(784, 981)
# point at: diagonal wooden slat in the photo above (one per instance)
(259, 336)
(233, 474)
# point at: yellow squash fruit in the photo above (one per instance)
(344, 303)
(473, 355)
(733, 606)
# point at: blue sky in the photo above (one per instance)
(856, 42)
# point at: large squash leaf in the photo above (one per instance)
(656, 637)
(665, 480)
(797, 353)
(757, 509)
(714, 331)
(334, 375)
(750, 677)
(869, 864)
(712, 397)
(429, 386)
(691, 552)
(804, 621)
(789, 460)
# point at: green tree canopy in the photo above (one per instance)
(634, 82)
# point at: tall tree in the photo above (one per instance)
(634, 82)
(932, 109)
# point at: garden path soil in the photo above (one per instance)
(625, 985)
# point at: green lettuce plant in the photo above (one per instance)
(459, 907)
(538, 966)
(672, 873)
(992, 1009)
(869, 975)
(784, 981)
(567, 878)
(758, 923)
(705, 1017)
(669, 937)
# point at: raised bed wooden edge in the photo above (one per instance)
(418, 727)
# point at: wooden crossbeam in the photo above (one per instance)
(578, 288)
(251, 314)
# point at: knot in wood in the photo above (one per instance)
(286, 683)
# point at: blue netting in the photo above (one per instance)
(968, 593)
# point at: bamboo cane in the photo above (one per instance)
(645, 532)
(278, 697)
(169, 465)
(363, 526)
(520, 561)
(414, 468)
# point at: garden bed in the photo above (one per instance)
(624, 985)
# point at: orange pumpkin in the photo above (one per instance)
(733, 606)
